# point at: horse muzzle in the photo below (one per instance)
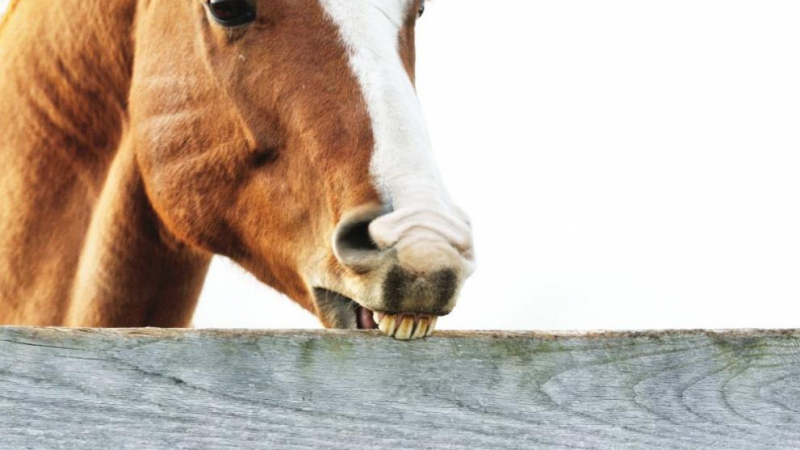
(405, 269)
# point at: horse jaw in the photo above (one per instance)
(343, 312)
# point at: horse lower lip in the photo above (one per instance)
(364, 319)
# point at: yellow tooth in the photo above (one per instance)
(388, 324)
(405, 328)
(432, 325)
(377, 317)
(422, 328)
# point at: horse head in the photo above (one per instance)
(287, 136)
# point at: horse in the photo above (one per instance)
(139, 138)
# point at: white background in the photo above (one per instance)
(627, 164)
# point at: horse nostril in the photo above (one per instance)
(352, 243)
(356, 237)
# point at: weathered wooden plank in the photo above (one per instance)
(138, 389)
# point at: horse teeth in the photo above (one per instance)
(421, 329)
(432, 325)
(377, 317)
(387, 324)
(405, 328)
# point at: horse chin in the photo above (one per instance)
(340, 311)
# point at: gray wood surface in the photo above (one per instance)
(141, 389)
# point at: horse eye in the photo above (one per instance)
(231, 13)
(421, 9)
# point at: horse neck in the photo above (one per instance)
(74, 60)
(82, 232)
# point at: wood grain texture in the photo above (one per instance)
(141, 389)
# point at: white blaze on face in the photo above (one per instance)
(425, 227)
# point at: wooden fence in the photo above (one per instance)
(143, 389)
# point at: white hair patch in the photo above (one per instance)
(402, 164)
